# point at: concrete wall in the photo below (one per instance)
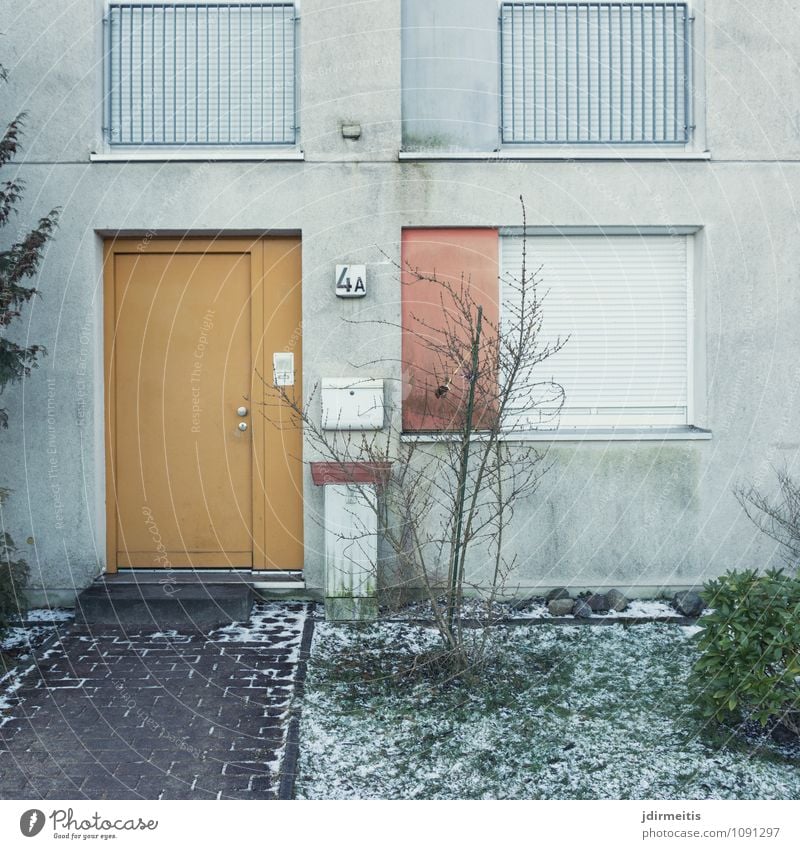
(628, 513)
(451, 76)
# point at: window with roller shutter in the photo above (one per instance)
(624, 303)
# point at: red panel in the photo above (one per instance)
(453, 255)
(323, 473)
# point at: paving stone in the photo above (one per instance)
(125, 715)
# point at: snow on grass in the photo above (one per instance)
(636, 609)
(561, 713)
(646, 608)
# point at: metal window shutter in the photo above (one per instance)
(622, 301)
(202, 74)
(579, 73)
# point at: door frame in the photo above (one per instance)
(262, 512)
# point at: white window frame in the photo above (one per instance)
(104, 151)
(638, 428)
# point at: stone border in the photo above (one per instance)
(288, 772)
(561, 620)
(604, 620)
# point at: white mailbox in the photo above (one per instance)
(352, 403)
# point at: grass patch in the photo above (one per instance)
(557, 713)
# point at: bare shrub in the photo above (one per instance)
(452, 493)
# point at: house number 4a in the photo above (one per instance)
(351, 281)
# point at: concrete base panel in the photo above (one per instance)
(351, 609)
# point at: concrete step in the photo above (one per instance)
(181, 606)
(202, 576)
(266, 592)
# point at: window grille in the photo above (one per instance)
(200, 74)
(596, 73)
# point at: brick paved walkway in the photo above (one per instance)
(117, 715)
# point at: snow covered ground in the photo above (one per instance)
(18, 642)
(39, 624)
(44, 614)
(637, 609)
(563, 713)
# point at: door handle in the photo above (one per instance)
(242, 411)
(243, 426)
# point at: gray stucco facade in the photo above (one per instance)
(635, 513)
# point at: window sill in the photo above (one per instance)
(644, 434)
(206, 155)
(560, 154)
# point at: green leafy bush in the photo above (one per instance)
(14, 575)
(749, 665)
(20, 259)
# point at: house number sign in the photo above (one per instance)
(351, 281)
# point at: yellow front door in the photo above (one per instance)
(201, 473)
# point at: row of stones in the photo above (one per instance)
(560, 603)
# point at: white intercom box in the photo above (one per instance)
(352, 403)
